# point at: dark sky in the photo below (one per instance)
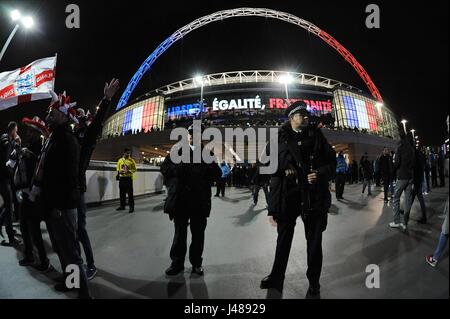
(407, 58)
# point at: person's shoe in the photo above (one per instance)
(174, 270)
(403, 226)
(26, 262)
(131, 210)
(44, 266)
(198, 271)
(91, 272)
(120, 208)
(217, 195)
(431, 261)
(61, 287)
(270, 282)
(394, 225)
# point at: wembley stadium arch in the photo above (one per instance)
(247, 12)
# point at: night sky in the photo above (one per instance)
(407, 58)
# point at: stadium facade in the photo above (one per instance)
(358, 122)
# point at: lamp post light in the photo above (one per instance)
(286, 79)
(199, 81)
(16, 17)
(412, 132)
(404, 125)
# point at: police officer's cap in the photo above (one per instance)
(297, 107)
(193, 127)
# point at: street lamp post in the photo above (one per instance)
(412, 132)
(404, 125)
(286, 80)
(199, 80)
(15, 17)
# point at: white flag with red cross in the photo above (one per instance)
(30, 83)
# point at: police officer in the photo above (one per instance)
(300, 187)
(188, 203)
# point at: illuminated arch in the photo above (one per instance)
(247, 12)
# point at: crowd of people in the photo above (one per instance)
(44, 180)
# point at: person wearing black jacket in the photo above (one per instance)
(385, 168)
(31, 212)
(7, 145)
(300, 187)
(404, 166)
(58, 179)
(87, 137)
(367, 172)
(188, 203)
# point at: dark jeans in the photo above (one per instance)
(221, 186)
(417, 191)
(30, 227)
(126, 188)
(314, 226)
(83, 236)
(340, 184)
(256, 189)
(179, 245)
(64, 227)
(402, 185)
(6, 214)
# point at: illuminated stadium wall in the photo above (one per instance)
(356, 110)
(251, 104)
(141, 116)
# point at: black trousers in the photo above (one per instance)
(386, 183)
(83, 236)
(314, 226)
(441, 178)
(340, 184)
(6, 213)
(30, 227)
(434, 177)
(179, 245)
(126, 188)
(221, 186)
(64, 226)
(256, 189)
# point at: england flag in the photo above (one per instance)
(30, 83)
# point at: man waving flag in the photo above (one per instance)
(30, 83)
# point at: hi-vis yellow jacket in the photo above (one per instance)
(126, 165)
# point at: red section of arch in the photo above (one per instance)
(351, 59)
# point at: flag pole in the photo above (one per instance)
(54, 71)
